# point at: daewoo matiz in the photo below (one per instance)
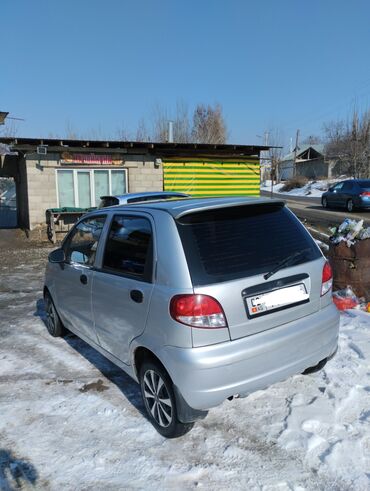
(199, 300)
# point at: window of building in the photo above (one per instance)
(129, 247)
(82, 188)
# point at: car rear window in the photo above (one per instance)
(108, 201)
(236, 242)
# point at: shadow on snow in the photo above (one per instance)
(129, 388)
(15, 472)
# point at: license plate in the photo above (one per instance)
(276, 299)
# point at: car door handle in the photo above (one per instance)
(137, 296)
(83, 279)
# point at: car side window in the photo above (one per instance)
(338, 186)
(82, 244)
(347, 186)
(129, 249)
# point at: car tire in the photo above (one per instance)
(159, 400)
(316, 368)
(324, 203)
(350, 206)
(53, 323)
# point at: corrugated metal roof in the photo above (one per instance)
(317, 147)
(61, 144)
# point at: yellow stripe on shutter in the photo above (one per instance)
(213, 178)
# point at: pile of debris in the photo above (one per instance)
(349, 255)
(347, 299)
(349, 232)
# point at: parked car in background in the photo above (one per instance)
(125, 199)
(349, 194)
(199, 300)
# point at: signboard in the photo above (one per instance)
(90, 159)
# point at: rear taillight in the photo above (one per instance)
(327, 279)
(197, 311)
(365, 193)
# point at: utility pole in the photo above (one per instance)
(295, 153)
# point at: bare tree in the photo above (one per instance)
(142, 134)
(70, 132)
(349, 144)
(312, 140)
(96, 134)
(53, 135)
(9, 129)
(181, 123)
(272, 158)
(123, 134)
(160, 120)
(209, 125)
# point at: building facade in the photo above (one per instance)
(55, 174)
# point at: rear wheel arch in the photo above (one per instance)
(185, 413)
(142, 355)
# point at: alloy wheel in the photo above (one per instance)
(349, 205)
(50, 315)
(157, 398)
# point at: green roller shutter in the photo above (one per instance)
(213, 178)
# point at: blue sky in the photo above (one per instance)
(97, 66)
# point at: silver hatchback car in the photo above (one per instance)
(199, 300)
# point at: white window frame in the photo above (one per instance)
(92, 182)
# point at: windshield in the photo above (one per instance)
(232, 243)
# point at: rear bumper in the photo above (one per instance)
(207, 376)
(364, 203)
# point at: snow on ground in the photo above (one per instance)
(313, 189)
(71, 420)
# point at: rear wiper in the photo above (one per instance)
(285, 261)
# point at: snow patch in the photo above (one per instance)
(306, 433)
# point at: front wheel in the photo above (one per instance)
(350, 206)
(324, 202)
(53, 323)
(159, 400)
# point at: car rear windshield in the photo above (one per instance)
(365, 184)
(108, 201)
(235, 242)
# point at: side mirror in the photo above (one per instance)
(57, 256)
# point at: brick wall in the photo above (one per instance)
(41, 183)
(143, 175)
